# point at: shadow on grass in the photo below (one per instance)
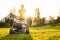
(17, 37)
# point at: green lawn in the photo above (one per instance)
(36, 33)
(47, 27)
(4, 32)
(4, 35)
(17, 37)
(45, 33)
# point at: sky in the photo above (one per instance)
(46, 7)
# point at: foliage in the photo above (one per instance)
(12, 15)
(34, 25)
(29, 21)
(4, 25)
(51, 20)
(6, 20)
(57, 20)
(39, 22)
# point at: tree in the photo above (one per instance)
(37, 13)
(43, 20)
(10, 19)
(57, 20)
(29, 21)
(7, 20)
(37, 16)
(51, 20)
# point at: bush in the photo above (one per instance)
(4, 25)
(34, 25)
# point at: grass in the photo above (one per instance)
(17, 37)
(4, 35)
(45, 33)
(36, 33)
(4, 32)
(47, 27)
